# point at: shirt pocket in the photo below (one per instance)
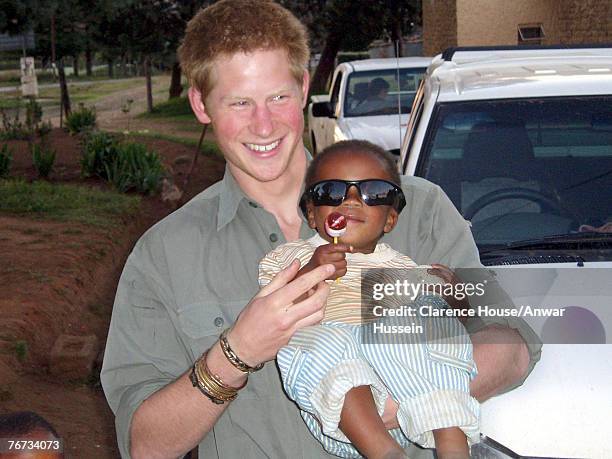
(202, 322)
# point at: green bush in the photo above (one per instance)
(12, 128)
(33, 114)
(43, 159)
(6, 157)
(135, 167)
(83, 119)
(99, 150)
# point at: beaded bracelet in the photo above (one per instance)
(233, 358)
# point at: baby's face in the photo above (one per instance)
(365, 224)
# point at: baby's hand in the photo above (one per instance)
(449, 277)
(334, 254)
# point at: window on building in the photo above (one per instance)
(530, 34)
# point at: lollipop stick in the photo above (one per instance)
(335, 242)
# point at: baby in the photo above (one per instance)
(341, 373)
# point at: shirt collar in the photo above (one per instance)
(231, 194)
(229, 199)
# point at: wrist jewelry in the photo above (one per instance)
(233, 358)
(210, 384)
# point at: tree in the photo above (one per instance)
(186, 10)
(350, 25)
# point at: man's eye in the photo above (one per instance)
(280, 98)
(239, 103)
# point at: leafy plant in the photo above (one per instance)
(43, 159)
(44, 128)
(33, 114)
(12, 128)
(80, 120)
(135, 167)
(99, 151)
(6, 157)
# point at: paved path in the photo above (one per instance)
(70, 83)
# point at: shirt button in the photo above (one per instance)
(273, 237)
(252, 204)
(219, 322)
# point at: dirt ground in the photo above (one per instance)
(59, 278)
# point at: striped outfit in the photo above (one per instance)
(427, 373)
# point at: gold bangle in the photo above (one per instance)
(236, 361)
(210, 384)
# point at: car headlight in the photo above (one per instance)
(490, 449)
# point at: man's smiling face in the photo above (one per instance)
(255, 108)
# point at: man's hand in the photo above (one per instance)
(334, 254)
(389, 416)
(279, 309)
(449, 277)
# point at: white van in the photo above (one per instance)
(520, 139)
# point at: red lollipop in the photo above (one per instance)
(335, 225)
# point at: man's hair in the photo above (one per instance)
(23, 422)
(354, 146)
(241, 26)
(377, 85)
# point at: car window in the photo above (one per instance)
(376, 92)
(524, 168)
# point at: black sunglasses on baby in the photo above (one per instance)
(373, 192)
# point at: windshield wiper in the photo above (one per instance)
(575, 241)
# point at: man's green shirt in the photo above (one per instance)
(190, 275)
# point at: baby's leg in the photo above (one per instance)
(361, 423)
(451, 443)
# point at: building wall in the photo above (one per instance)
(584, 21)
(439, 25)
(495, 22)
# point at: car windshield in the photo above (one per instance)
(524, 169)
(376, 92)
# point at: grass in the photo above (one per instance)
(84, 93)
(69, 203)
(177, 109)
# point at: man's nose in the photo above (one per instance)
(262, 121)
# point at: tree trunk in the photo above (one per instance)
(75, 65)
(147, 72)
(88, 60)
(65, 97)
(111, 68)
(124, 69)
(176, 88)
(326, 64)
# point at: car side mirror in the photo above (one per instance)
(323, 109)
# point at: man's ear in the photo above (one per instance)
(305, 87)
(197, 105)
(392, 217)
(310, 215)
